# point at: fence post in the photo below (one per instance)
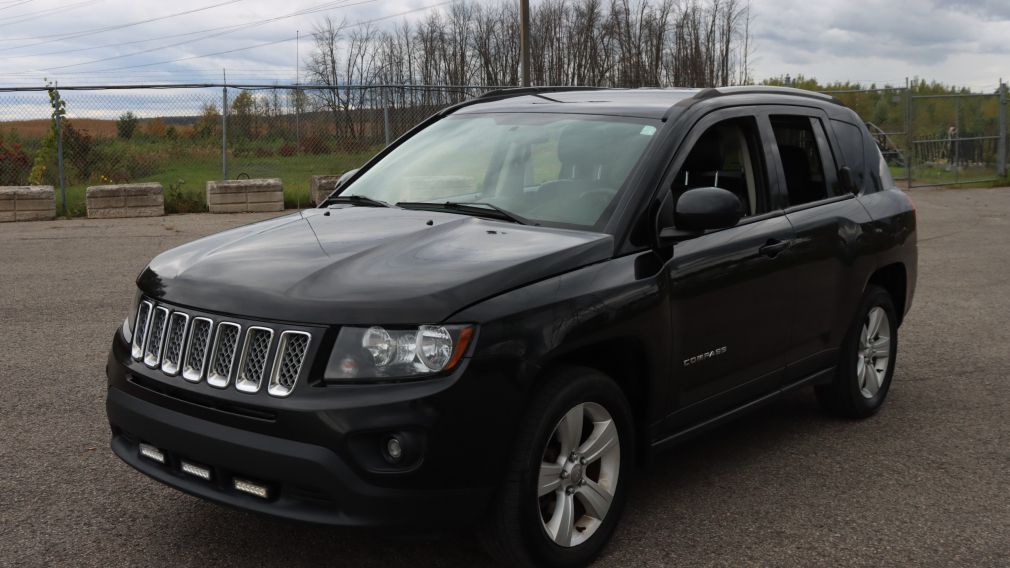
(909, 138)
(59, 156)
(1001, 158)
(385, 113)
(224, 133)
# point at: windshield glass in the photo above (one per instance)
(554, 169)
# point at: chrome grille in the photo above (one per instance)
(222, 358)
(291, 352)
(196, 349)
(140, 331)
(155, 337)
(175, 336)
(253, 362)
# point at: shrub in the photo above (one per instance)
(179, 201)
(15, 165)
(126, 125)
(288, 150)
(315, 144)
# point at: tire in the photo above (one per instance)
(858, 390)
(528, 529)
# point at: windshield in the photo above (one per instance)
(554, 169)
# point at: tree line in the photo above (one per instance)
(609, 43)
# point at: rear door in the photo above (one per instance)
(730, 298)
(828, 223)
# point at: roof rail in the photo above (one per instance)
(765, 90)
(519, 91)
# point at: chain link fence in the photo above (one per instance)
(932, 137)
(184, 135)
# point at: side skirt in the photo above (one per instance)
(820, 377)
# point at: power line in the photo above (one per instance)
(228, 51)
(213, 35)
(321, 7)
(28, 16)
(75, 35)
(14, 4)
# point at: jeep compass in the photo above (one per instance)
(491, 322)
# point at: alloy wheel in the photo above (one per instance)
(873, 352)
(578, 474)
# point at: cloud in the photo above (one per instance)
(881, 40)
(954, 41)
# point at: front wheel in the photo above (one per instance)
(566, 486)
(867, 359)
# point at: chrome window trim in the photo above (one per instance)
(213, 378)
(165, 366)
(241, 382)
(187, 371)
(274, 388)
(153, 360)
(137, 345)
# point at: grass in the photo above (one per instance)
(195, 172)
(939, 174)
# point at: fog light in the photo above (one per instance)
(251, 488)
(394, 450)
(152, 453)
(196, 470)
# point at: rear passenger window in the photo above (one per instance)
(850, 141)
(801, 159)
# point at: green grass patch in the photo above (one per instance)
(184, 178)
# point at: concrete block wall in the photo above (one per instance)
(125, 200)
(245, 195)
(321, 186)
(27, 203)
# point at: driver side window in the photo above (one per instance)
(726, 156)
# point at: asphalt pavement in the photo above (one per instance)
(924, 483)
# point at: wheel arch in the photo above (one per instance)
(624, 360)
(893, 278)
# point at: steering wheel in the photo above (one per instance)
(603, 194)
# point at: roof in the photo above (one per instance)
(645, 103)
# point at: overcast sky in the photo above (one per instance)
(879, 41)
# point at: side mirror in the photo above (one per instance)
(846, 181)
(704, 209)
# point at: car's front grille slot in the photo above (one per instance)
(196, 349)
(222, 358)
(175, 339)
(253, 362)
(140, 331)
(178, 342)
(155, 337)
(291, 351)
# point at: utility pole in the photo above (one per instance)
(224, 125)
(524, 39)
(297, 92)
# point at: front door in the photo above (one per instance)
(730, 297)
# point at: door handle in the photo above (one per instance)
(773, 247)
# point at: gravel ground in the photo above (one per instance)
(924, 483)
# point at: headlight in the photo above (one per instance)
(379, 353)
(131, 318)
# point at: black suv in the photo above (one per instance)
(492, 321)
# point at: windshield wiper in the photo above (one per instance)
(478, 208)
(360, 200)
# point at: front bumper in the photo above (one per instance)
(321, 462)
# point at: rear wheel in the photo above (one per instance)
(566, 486)
(867, 359)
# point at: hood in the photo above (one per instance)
(364, 265)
